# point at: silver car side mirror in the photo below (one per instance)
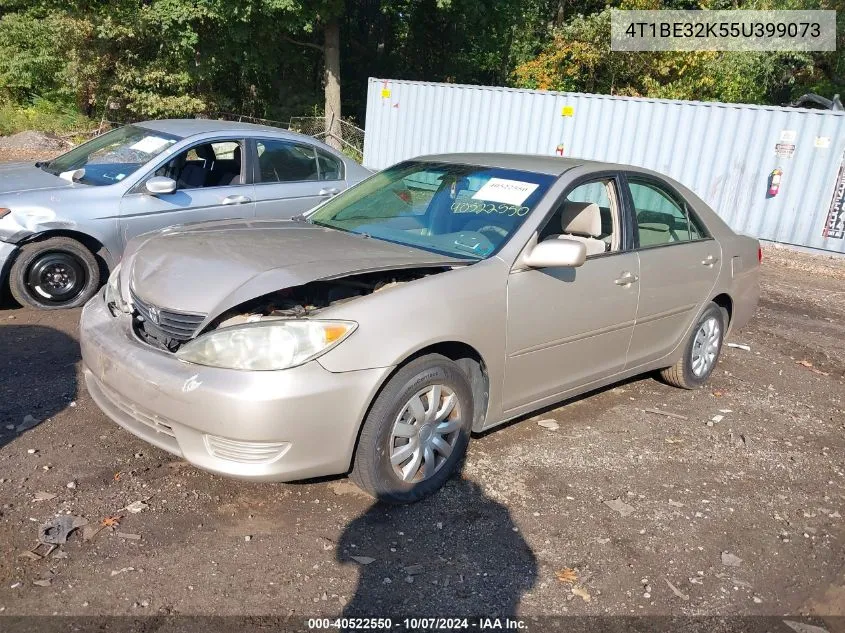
(554, 253)
(159, 185)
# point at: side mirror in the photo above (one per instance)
(159, 185)
(553, 253)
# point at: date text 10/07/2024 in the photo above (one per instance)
(415, 624)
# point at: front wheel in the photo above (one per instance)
(55, 273)
(701, 352)
(416, 433)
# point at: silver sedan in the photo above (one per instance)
(443, 296)
(64, 223)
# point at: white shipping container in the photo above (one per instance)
(724, 152)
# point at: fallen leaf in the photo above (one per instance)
(551, 425)
(804, 363)
(112, 521)
(43, 496)
(731, 560)
(46, 582)
(566, 575)
(117, 476)
(363, 560)
(717, 393)
(582, 593)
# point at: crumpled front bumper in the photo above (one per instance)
(7, 252)
(261, 425)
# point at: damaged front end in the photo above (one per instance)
(170, 330)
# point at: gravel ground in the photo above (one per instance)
(736, 508)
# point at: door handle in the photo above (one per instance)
(236, 200)
(709, 260)
(331, 191)
(626, 279)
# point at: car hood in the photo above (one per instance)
(212, 267)
(21, 177)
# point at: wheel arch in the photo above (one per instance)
(105, 258)
(466, 357)
(724, 301)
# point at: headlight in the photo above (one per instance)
(277, 344)
(4, 212)
(112, 295)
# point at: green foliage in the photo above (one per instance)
(43, 115)
(578, 59)
(135, 59)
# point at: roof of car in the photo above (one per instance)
(552, 165)
(191, 127)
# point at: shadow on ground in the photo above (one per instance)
(37, 365)
(458, 553)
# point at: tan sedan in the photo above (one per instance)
(442, 296)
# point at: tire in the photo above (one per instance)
(691, 372)
(55, 273)
(392, 424)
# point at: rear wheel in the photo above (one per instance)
(416, 433)
(55, 273)
(701, 352)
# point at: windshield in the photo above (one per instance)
(465, 211)
(111, 157)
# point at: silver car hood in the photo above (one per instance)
(21, 177)
(215, 266)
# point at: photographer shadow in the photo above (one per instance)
(455, 554)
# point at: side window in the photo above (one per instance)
(661, 218)
(216, 164)
(330, 167)
(283, 161)
(588, 214)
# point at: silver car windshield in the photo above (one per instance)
(466, 211)
(113, 156)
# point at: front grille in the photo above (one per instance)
(245, 452)
(180, 326)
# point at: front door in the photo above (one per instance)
(210, 186)
(568, 327)
(292, 178)
(679, 265)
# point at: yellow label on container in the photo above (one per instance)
(568, 111)
(385, 93)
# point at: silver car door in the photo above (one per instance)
(679, 265)
(288, 178)
(205, 191)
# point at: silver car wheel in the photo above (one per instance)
(705, 347)
(424, 433)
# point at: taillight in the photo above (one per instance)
(759, 254)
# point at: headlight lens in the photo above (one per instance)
(4, 212)
(277, 344)
(112, 295)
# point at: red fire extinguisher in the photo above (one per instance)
(774, 182)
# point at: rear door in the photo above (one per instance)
(212, 184)
(293, 177)
(679, 265)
